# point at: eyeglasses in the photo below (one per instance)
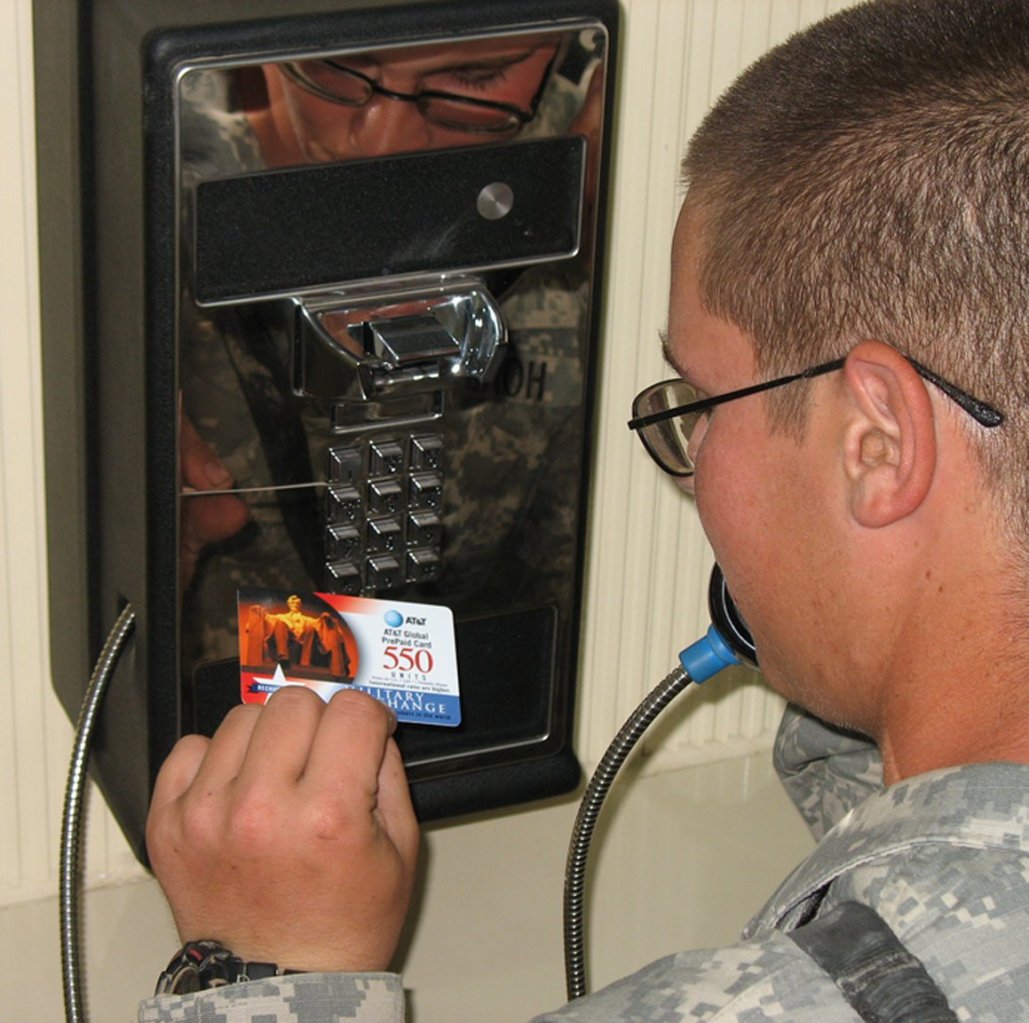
(339, 84)
(666, 414)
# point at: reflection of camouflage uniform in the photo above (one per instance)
(513, 448)
(941, 857)
(520, 437)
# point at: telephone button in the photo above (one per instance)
(385, 497)
(422, 565)
(343, 542)
(345, 464)
(386, 458)
(384, 535)
(345, 577)
(423, 529)
(426, 490)
(427, 451)
(384, 573)
(344, 504)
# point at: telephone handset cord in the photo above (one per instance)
(726, 643)
(586, 819)
(72, 815)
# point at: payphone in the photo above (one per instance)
(321, 285)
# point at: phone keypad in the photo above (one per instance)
(383, 528)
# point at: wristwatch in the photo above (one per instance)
(200, 965)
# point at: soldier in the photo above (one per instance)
(852, 243)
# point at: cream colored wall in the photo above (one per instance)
(686, 851)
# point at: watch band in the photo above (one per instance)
(201, 965)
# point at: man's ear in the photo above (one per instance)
(890, 440)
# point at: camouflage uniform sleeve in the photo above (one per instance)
(826, 771)
(755, 981)
(303, 998)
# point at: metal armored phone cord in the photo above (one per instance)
(71, 819)
(727, 642)
(586, 819)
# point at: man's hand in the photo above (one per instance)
(289, 837)
(209, 516)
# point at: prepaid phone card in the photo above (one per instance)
(399, 652)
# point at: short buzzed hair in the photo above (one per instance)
(869, 178)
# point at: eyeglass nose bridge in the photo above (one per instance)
(376, 88)
(372, 88)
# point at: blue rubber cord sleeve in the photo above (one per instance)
(707, 656)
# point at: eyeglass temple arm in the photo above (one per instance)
(671, 413)
(984, 414)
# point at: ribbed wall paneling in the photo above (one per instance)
(649, 563)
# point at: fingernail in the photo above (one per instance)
(216, 473)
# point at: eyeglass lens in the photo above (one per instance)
(668, 440)
(341, 83)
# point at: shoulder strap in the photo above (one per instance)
(880, 979)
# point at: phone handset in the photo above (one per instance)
(728, 640)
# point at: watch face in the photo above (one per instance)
(201, 965)
(198, 966)
(185, 981)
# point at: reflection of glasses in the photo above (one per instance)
(339, 84)
(666, 414)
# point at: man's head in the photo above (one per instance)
(431, 96)
(859, 198)
(869, 179)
